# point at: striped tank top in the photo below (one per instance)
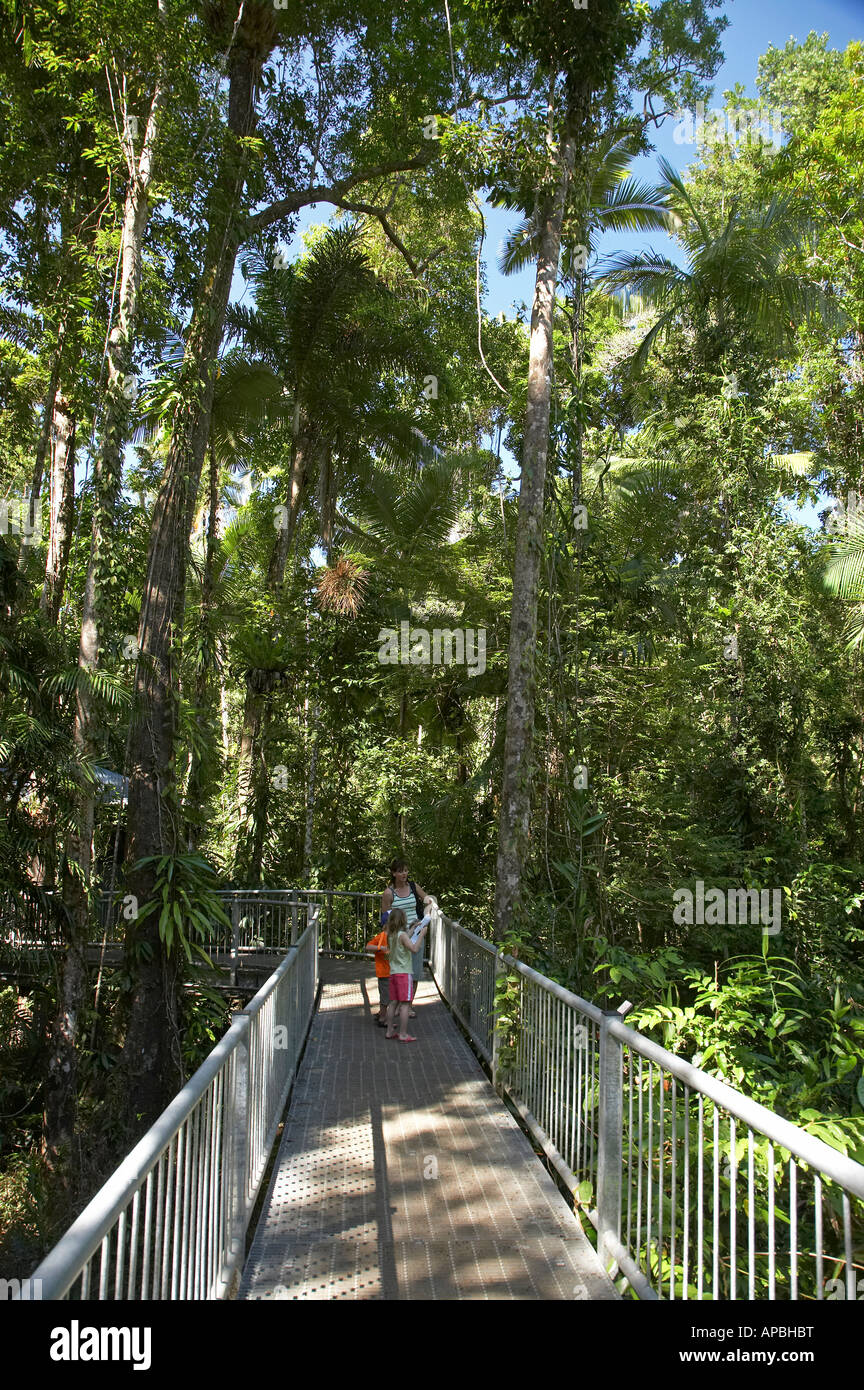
(408, 906)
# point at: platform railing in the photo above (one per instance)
(695, 1190)
(270, 919)
(262, 920)
(171, 1222)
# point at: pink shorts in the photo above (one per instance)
(400, 989)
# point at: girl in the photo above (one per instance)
(402, 949)
(404, 893)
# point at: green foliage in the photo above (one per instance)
(185, 897)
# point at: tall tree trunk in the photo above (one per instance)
(252, 775)
(514, 826)
(62, 507)
(151, 1054)
(285, 534)
(63, 1065)
(252, 799)
(260, 800)
(61, 1090)
(47, 425)
(311, 793)
(202, 674)
(46, 431)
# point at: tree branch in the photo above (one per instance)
(389, 230)
(335, 194)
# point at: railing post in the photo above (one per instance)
(235, 939)
(329, 921)
(610, 1124)
(497, 1078)
(238, 1121)
(293, 916)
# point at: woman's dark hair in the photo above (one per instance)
(396, 867)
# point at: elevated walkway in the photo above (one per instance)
(400, 1174)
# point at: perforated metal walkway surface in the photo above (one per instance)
(401, 1175)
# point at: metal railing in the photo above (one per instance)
(695, 1190)
(27, 923)
(262, 920)
(171, 1222)
(269, 919)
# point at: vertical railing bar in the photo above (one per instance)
(700, 1201)
(194, 1276)
(104, 1265)
(171, 1235)
(560, 1139)
(673, 1203)
(120, 1258)
(188, 1131)
(685, 1291)
(793, 1228)
(820, 1273)
(202, 1186)
(133, 1243)
(629, 1155)
(715, 1255)
(751, 1217)
(218, 1202)
(145, 1264)
(733, 1212)
(592, 1132)
(640, 1168)
(772, 1287)
(851, 1289)
(660, 1168)
(159, 1227)
(650, 1169)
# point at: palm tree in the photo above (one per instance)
(842, 576)
(333, 342)
(738, 277)
(335, 337)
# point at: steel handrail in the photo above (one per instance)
(575, 1091)
(78, 1246)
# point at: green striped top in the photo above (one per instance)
(408, 906)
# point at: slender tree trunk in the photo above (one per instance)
(311, 794)
(285, 534)
(514, 826)
(151, 1054)
(62, 507)
(224, 712)
(61, 1091)
(45, 433)
(63, 1065)
(252, 800)
(202, 674)
(260, 800)
(47, 423)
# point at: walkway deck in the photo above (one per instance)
(401, 1175)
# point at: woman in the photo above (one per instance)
(404, 893)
